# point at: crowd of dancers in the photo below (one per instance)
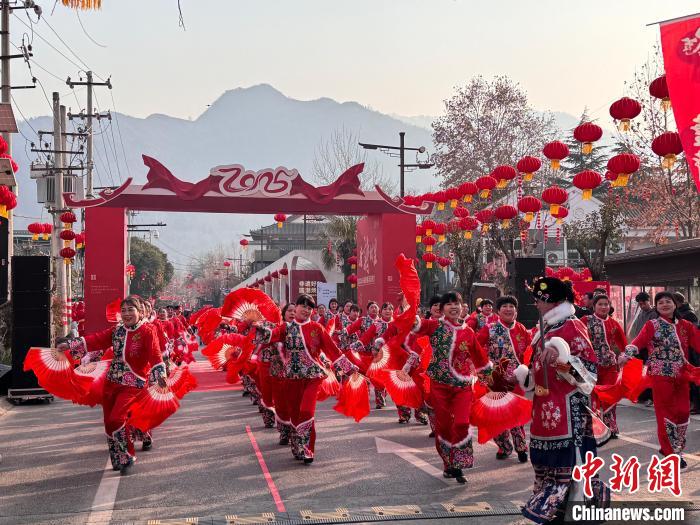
(445, 367)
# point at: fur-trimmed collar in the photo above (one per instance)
(559, 313)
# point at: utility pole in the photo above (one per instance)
(59, 267)
(67, 315)
(5, 49)
(88, 118)
(402, 149)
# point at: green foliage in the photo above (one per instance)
(339, 235)
(153, 270)
(577, 162)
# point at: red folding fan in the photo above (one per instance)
(495, 412)
(54, 371)
(402, 388)
(228, 347)
(385, 359)
(353, 398)
(97, 373)
(329, 386)
(181, 381)
(113, 311)
(250, 305)
(527, 356)
(153, 406)
(601, 432)
(330, 326)
(627, 383)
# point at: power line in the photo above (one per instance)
(119, 132)
(77, 13)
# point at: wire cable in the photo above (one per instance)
(77, 13)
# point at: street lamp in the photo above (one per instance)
(402, 149)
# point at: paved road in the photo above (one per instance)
(204, 466)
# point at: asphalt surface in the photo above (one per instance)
(203, 468)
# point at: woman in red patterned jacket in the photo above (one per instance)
(137, 361)
(608, 340)
(668, 339)
(304, 340)
(457, 355)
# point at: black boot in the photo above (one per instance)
(432, 434)
(683, 463)
(308, 461)
(522, 457)
(147, 444)
(284, 440)
(126, 467)
(448, 473)
(459, 476)
(501, 455)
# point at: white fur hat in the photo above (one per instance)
(560, 346)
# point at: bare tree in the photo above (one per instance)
(487, 124)
(340, 151)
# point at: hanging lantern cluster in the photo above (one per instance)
(429, 258)
(440, 230)
(444, 262)
(8, 201)
(468, 225)
(668, 146)
(280, 218)
(486, 185)
(624, 110)
(506, 214)
(503, 174)
(80, 241)
(528, 166)
(429, 241)
(468, 190)
(555, 197)
(352, 279)
(561, 214)
(68, 218)
(587, 133)
(130, 271)
(485, 217)
(420, 230)
(36, 229)
(352, 261)
(555, 151)
(529, 206)
(47, 228)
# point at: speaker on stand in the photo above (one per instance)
(31, 321)
(522, 271)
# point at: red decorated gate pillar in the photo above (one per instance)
(380, 239)
(105, 263)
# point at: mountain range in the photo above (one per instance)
(258, 127)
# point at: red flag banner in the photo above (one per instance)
(680, 41)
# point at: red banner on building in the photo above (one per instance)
(680, 41)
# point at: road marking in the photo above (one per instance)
(384, 446)
(268, 477)
(653, 447)
(106, 495)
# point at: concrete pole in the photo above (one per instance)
(89, 136)
(59, 267)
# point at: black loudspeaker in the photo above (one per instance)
(522, 271)
(31, 319)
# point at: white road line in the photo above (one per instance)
(106, 495)
(653, 447)
(384, 446)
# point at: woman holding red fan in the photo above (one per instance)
(137, 360)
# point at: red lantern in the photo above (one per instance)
(67, 236)
(130, 271)
(67, 254)
(468, 190)
(444, 262)
(47, 230)
(352, 279)
(419, 232)
(485, 185)
(79, 240)
(659, 89)
(504, 174)
(275, 274)
(529, 206)
(268, 278)
(279, 219)
(468, 225)
(68, 218)
(227, 264)
(586, 274)
(428, 226)
(485, 217)
(284, 271)
(610, 176)
(587, 133)
(441, 199)
(429, 259)
(8, 201)
(440, 230)
(453, 195)
(625, 110)
(244, 243)
(555, 197)
(565, 273)
(555, 151)
(667, 145)
(505, 214)
(562, 213)
(429, 241)
(461, 212)
(528, 166)
(623, 165)
(453, 225)
(36, 229)
(587, 181)
(352, 261)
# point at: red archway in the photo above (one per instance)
(387, 229)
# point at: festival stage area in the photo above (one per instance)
(209, 465)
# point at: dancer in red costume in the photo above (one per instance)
(279, 384)
(456, 356)
(668, 339)
(483, 316)
(137, 359)
(608, 340)
(508, 339)
(304, 340)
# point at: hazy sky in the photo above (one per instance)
(396, 56)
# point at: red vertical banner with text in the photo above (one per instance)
(680, 41)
